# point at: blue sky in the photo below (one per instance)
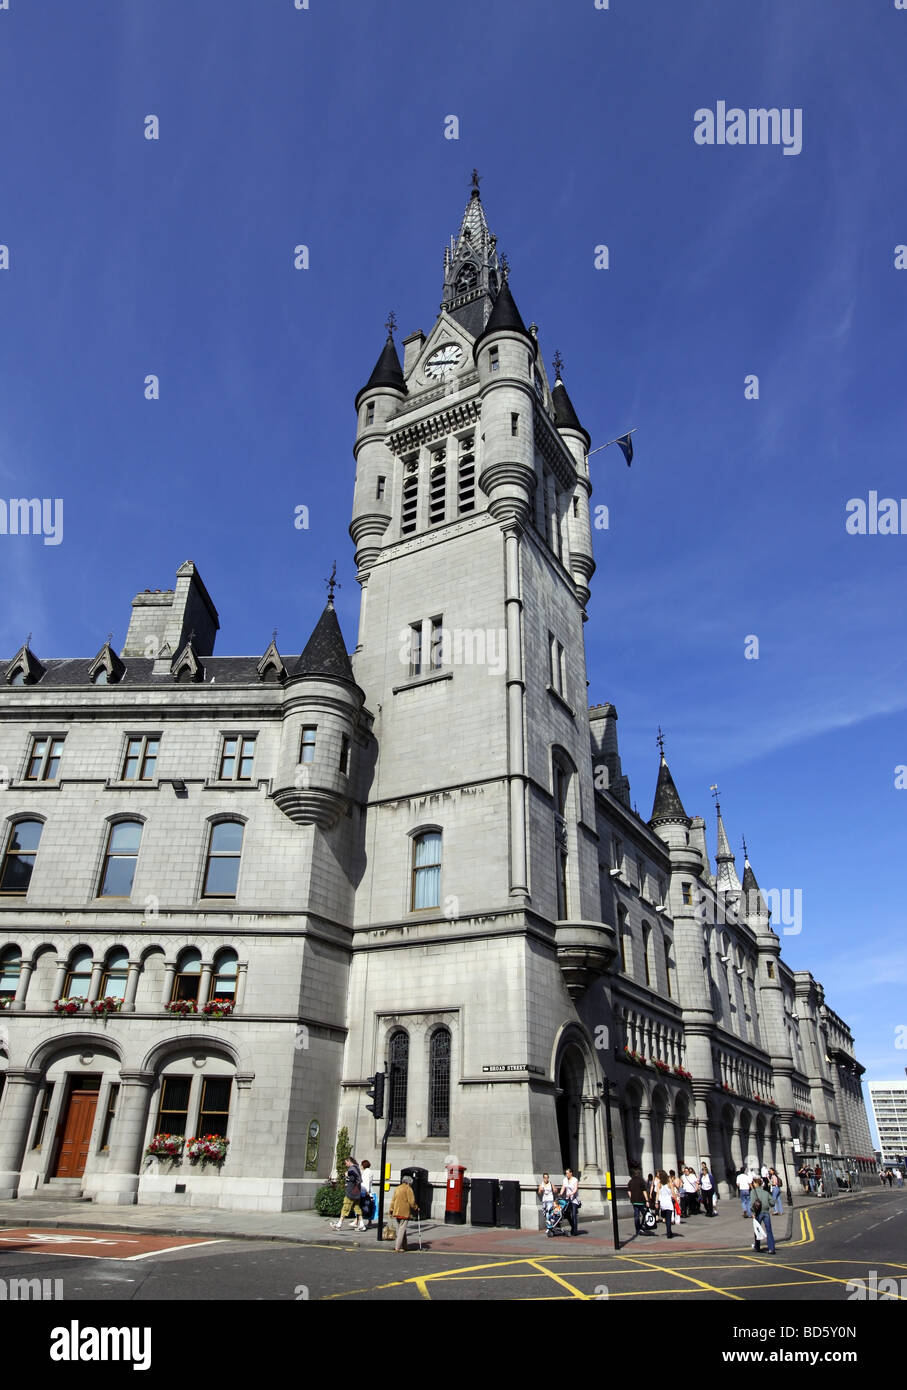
(326, 127)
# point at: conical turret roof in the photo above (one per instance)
(325, 652)
(387, 371)
(565, 417)
(505, 315)
(726, 880)
(668, 805)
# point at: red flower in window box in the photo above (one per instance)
(69, 1006)
(109, 1005)
(166, 1146)
(683, 1074)
(218, 1008)
(207, 1148)
(662, 1066)
(182, 1007)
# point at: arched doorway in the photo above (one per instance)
(571, 1074)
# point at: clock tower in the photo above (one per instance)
(478, 907)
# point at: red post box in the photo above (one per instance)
(455, 1205)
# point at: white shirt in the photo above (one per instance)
(705, 1182)
(744, 1182)
(666, 1197)
(689, 1182)
(547, 1194)
(570, 1186)
(367, 1180)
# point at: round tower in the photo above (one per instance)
(318, 737)
(505, 355)
(378, 400)
(579, 526)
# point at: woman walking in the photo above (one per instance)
(352, 1195)
(707, 1188)
(762, 1221)
(664, 1196)
(570, 1190)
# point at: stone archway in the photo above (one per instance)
(661, 1139)
(570, 1081)
(631, 1106)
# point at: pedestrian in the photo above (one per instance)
(546, 1192)
(352, 1197)
(762, 1221)
(403, 1205)
(676, 1188)
(763, 1173)
(636, 1191)
(707, 1189)
(367, 1201)
(691, 1189)
(650, 1192)
(664, 1196)
(744, 1184)
(570, 1190)
(898, 1177)
(775, 1189)
(803, 1175)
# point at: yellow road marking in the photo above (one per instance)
(558, 1280)
(710, 1288)
(420, 1285)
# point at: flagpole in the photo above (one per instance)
(610, 442)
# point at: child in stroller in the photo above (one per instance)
(556, 1223)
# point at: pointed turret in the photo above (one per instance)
(565, 417)
(726, 880)
(668, 806)
(387, 373)
(755, 907)
(325, 652)
(505, 317)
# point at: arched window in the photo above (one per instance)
(439, 1084)
(437, 491)
(188, 975)
(224, 982)
(19, 856)
(10, 969)
(668, 964)
(398, 1059)
(120, 859)
(410, 499)
(646, 941)
(78, 976)
(224, 852)
(426, 870)
(116, 968)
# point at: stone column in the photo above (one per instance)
(242, 971)
(589, 1164)
(513, 603)
(59, 980)
(647, 1158)
(24, 976)
(132, 985)
(204, 987)
(120, 1183)
(169, 972)
(18, 1107)
(94, 984)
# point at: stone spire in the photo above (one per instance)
(565, 417)
(726, 880)
(472, 271)
(756, 908)
(325, 652)
(387, 371)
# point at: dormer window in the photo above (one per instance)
(101, 677)
(18, 678)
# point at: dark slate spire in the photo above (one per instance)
(726, 880)
(388, 371)
(668, 805)
(325, 652)
(755, 903)
(565, 417)
(472, 270)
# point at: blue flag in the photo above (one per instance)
(625, 444)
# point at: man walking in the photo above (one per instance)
(636, 1191)
(743, 1187)
(403, 1205)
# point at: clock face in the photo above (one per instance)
(442, 363)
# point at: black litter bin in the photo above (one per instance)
(508, 1213)
(483, 1201)
(418, 1181)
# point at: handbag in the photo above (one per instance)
(649, 1220)
(760, 1231)
(388, 1233)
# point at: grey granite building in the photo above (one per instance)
(284, 871)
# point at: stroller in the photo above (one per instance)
(556, 1223)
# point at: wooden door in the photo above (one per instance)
(76, 1134)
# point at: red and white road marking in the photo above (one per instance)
(94, 1245)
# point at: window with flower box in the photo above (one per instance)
(19, 856)
(173, 1111)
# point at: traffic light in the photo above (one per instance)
(375, 1090)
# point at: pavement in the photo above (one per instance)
(727, 1231)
